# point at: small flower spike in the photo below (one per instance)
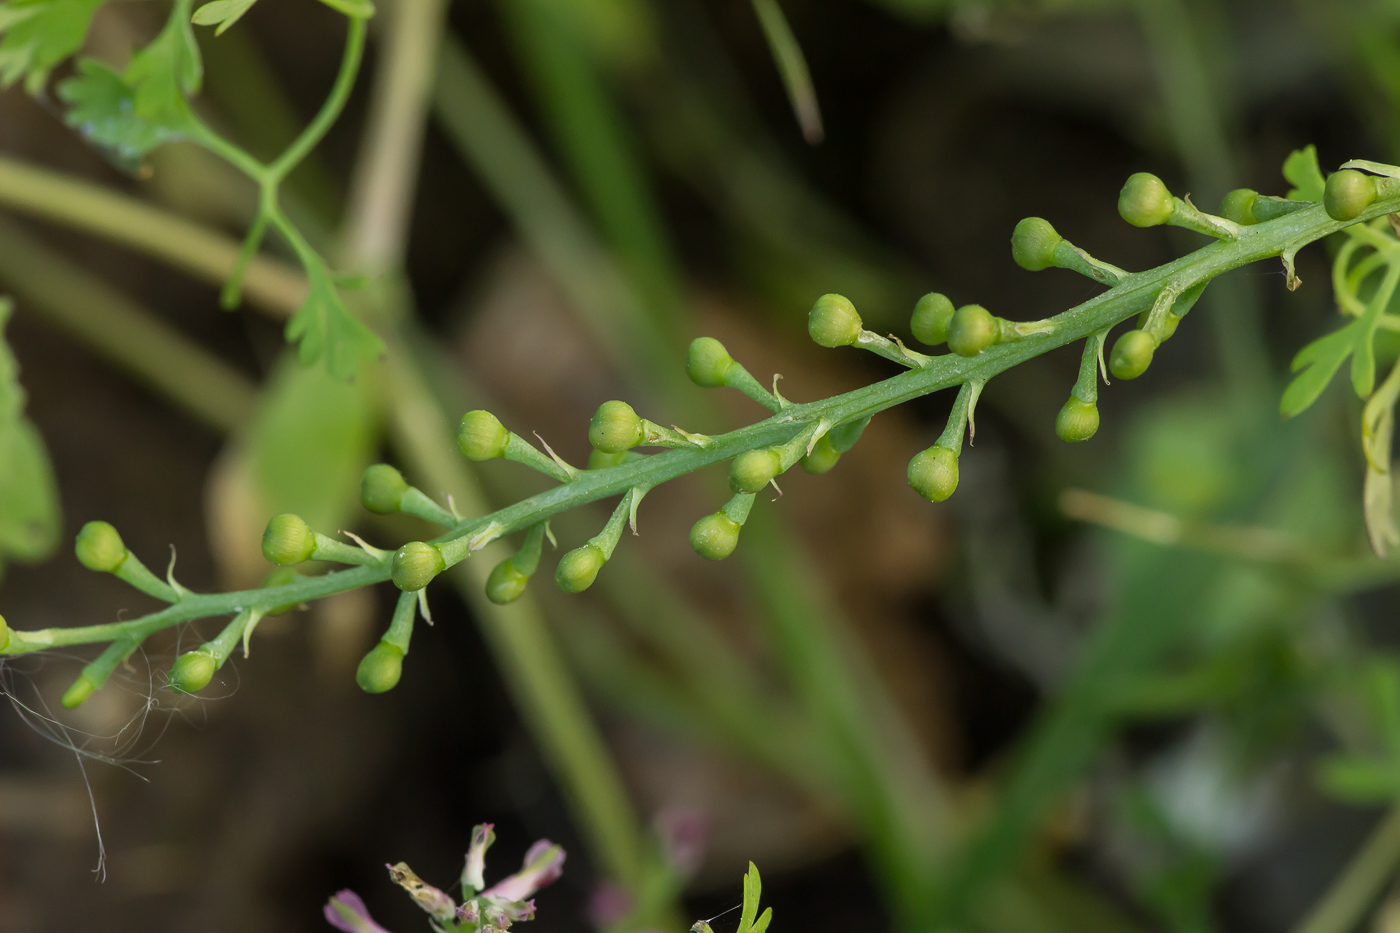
(709, 365)
(933, 473)
(1035, 245)
(834, 322)
(1348, 193)
(1146, 202)
(99, 547)
(384, 491)
(510, 577)
(579, 568)
(715, 536)
(1078, 420)
(288, 540)
(481, 436)
(381, 668)
(415, 564)
(616, 428)
(930, 320)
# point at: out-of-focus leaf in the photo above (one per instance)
(792, 65)
(130, 114)
(39, 35)
(221, 13)
(1359, 780)
(29, 512)
(325, 328)
(1302, 171)
(355, 9)
(311, 442)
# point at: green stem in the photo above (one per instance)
(330, 110)
(1131, 297)
(1370, 870)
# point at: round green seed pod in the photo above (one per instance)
(380, 669)
(1078, 420)
(1238, 206)
(1033, 244)
(482, 436)
(505, 584)
(822, 458)
(192, 671)
(715, 536)
(706, 362)
(415, 564)
(1145, 201)
(972, 330)
(833, 321)
(754, 469)
(1348, 193)
(929, 322)
(579, 568)
(99, 547)
(1132, 354)
(77, 694)
(288, 540)
(615, 428)
(934, 473)
(382, 489)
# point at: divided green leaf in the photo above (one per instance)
(325, 328)
(1320, 360)
(749, 921)
(30, 518)
(130, 114)
(39, 35)
(355, 9)
(1303, 172)
(222, 13)
(1375, 168)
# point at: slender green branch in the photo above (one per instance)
(330, 110)
(1132, 296)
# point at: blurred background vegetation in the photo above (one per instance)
(1143, 683)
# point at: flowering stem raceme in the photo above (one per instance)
(793, 430)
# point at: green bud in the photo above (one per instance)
(833, 321)
(380, 669)
(754, 469)
(972, 330)
(929, 323)
(822, 458)
(100, 548)
(77, 694)
(1033, 244)
(382, 489)
(482, 436)
(1132, 354)
(715, 536)
(1078, 420)
(1238, 206)
(1348, 193)
(505, 584)
(934, 473)
(192, 671)
(281, 577)
(707, 362)
(415, 564)
(615, 428)
(1145, 201)
(579, 568)
(288, 540)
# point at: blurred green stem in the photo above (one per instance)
(1369, 871)
(121, 219)
(122, 331)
